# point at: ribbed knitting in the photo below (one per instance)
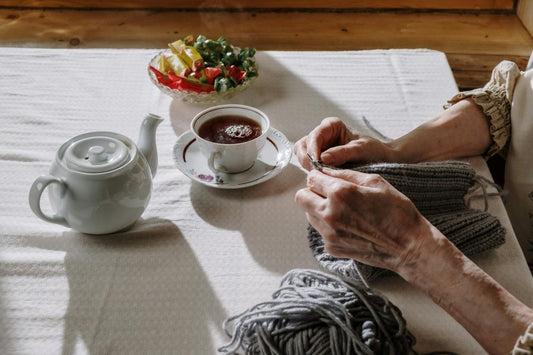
(438, 190)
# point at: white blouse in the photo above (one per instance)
(507, 101)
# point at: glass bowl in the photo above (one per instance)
(196, 97)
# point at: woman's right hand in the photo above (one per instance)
(363, 217)
(334, 144)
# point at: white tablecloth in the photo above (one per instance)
(198, 254)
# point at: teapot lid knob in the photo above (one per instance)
(96, 154)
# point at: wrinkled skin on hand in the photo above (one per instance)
(334, 144)
(362, 216)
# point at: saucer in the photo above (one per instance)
(274, 156)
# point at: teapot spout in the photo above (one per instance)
(146, 142)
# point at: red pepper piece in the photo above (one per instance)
(211, 73)
(236, 73)
(190, 85)
(174, 81)
(161, 78)
(172, 76)
(198, 75)
(187, 84)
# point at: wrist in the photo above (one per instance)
(436, 262)
(493, 316)
(399, 152)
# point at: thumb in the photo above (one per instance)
(339, 155)
(361, 150)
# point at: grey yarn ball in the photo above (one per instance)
(315, 313)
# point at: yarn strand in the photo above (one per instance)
(483, 183)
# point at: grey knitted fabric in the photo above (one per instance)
(438, 190)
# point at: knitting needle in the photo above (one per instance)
(317, 164)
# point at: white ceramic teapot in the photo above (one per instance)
(100, 182)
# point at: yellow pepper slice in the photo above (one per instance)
(189, 54)
(176, 46)
(175, 64)
(162, 64)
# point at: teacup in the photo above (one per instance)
(230, 136)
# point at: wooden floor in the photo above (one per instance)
(473, 40)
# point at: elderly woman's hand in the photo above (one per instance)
(334, 144)
(362, 216)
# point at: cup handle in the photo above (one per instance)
(213, 157)
(35, 194)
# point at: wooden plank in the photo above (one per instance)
(487, 34)
(474, 70)
(525, 14)
(474, 44)
(468, 80)
(483, 62)
(261, 4)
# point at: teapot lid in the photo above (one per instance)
(96, 154)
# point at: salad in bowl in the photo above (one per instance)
(203, 70)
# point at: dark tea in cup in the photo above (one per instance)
(230, 129)
(230, 136)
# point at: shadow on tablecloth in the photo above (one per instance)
(133, 291)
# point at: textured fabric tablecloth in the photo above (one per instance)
(198, 254)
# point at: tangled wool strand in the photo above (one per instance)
(315, 313)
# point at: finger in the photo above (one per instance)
(346, 245)
(329, 181)
(342, 154)
(321, 226)
(314, 206)
(323, 184)
(324, 136)
(370, 258)
(357, 178)
(308, 201)
(362, 149)
(340, 238)
(300, 150)
(352, 202)
(350, 248)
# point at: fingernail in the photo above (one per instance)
(326, 158)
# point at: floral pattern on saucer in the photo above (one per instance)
(274, 156)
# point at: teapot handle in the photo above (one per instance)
(34, 198)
